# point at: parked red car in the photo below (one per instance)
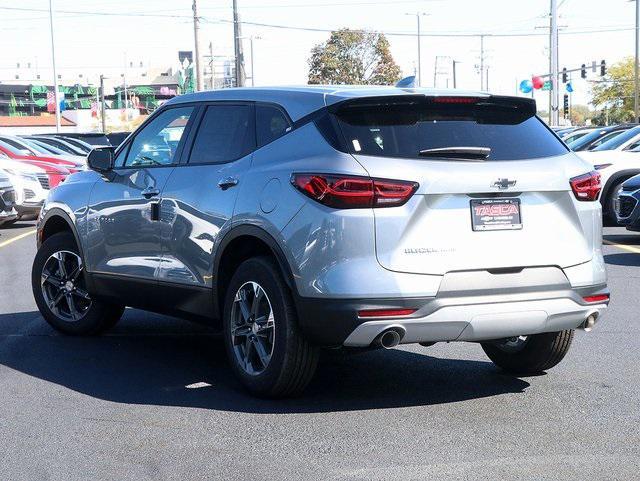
(55, 168)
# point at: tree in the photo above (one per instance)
(353, 57)
(579, 114)
(615, 93)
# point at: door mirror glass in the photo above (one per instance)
(101, 159)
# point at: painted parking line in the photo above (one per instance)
(622, 246)
(22, 236)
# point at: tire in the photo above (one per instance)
(538, 353)
(287, 361)
(88, 316)
(608, 211)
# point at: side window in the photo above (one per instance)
(225, 134)
(271, 123)
(603, 139)
(158, 142)
(633, 145)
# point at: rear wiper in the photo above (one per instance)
(460, 153)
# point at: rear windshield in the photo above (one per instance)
(405, 129)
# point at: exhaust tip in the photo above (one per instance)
(389, 338)
(589, 322)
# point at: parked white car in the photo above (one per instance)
(8, 212)
(615, 166)
(31, 185)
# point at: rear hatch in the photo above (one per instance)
(494, 184)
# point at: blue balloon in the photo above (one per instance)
(569, 87)
(526, 86)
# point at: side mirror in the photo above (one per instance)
(100, 159)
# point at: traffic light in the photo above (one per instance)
(564, 76)
(603, 68)
(583, 71)
(566, 106)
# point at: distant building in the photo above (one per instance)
(27, 91)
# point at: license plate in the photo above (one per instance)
(495, 214)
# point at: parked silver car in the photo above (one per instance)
(299, 218)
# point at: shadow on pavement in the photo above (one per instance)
(628, 259)
(18, 225)
(154, 365)
(628, 239)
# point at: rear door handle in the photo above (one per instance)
(150, 192)
(227, 182)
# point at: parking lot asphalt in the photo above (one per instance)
(154, 400)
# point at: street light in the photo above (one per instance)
(418, 15)
(636, 88)
(455, 83)
(55, 72)
(251, 39)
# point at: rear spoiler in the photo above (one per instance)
(522, 106)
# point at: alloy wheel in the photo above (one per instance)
(252, 328)
(63, 286)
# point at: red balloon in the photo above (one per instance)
(537, 82)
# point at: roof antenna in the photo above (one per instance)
(407, 82)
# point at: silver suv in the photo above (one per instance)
(299, 218)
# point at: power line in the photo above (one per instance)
(431, 34)
(105, 14)
(329, 4)
(322, 30)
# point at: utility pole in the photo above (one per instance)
(124, 81)
(196, 36)
(211, 66)
(636, 105)
(253, 72)
(419, 76)
(56, 97)
(455, 83)
(237, 47)
(482, 63)
(419, 53)
(103, 108)
(555, 91)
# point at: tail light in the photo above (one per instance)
(586, 187)
(352, 192)
(597, 299)
(455, 100)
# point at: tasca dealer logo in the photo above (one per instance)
(495, 210)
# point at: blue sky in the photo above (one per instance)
(101, 41)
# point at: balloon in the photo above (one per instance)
(569, 87)
(526, 86)
(537, 82)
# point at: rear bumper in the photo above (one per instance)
(502, 307)
(480, 322)
(29, 210)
